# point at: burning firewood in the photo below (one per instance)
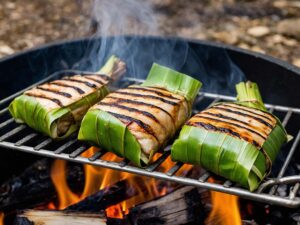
(34, 186)
(185, 205)
(34, 217)
(104, 198)
(52, 217)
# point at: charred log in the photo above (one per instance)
(34, 186)
(104, 198)
(183, 206)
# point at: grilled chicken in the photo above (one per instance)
(70, 97)
(152, 114)
(249, 124)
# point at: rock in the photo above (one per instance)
(257, 49)
(280, 39)
(285, 3)
(296, 62)
(10, 5)
(244, 46)
(226, 37)
(258, 31)
(277, 39)
(6, 50)
(290, 42)
(280, 4)
(290, 27)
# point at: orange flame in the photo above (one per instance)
(147, 189)
(58, 175)
(1, 218)
(225, 209)
(98, 178)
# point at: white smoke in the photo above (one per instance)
(125, 27)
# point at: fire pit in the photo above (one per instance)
(220, 67)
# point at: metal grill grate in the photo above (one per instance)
(20, 137)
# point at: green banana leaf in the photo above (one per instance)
(103, 129)
(231, 157)
(26, 109)
(173, 81)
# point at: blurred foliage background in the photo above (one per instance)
(266, 26)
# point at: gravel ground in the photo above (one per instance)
(271, 27)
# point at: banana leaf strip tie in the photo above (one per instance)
(56, 108)
(237, 140)
(136, 121)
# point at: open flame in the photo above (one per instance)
(225, 209)
(58, 175)
(1, 218)
(97, 178)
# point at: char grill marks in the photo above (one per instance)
(154, 91)
(62, 93)
(147, 111)
(140, 123)
(55, 100)
(67, 90)
(77, 79)
(99, 78)
(246, 123)
(138, 104)
(57, 83)
(162, 99)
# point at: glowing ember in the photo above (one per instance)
(115, 211)
(225, 210)
(1, 218)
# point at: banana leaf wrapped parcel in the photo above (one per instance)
(56, 108)
(237, 140)
(137, 121)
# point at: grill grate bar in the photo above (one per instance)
(26, 139)
(287, 118)
(12, 132)
(158, 162)
(78, 151)
(217, 99)
(174, 169)
(5, 110)
(290, 155)
(294, 191)
(7, 122)
(199, 98)
(227, 184)
(287, 161)
(63, 147)
(124, 162)
(97, 155)
(43, 144)
(271, 109)
(204, 177)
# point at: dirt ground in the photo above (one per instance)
(267, 26)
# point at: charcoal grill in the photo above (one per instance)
(283, 78)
